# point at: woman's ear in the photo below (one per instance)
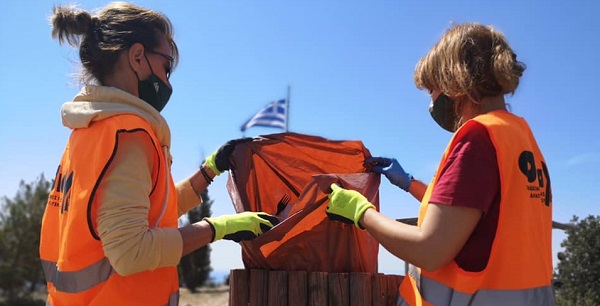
(135, 56)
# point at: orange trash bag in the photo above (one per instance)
(297, 170)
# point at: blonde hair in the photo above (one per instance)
(470, 60)
(103, 37)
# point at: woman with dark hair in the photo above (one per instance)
(109, 233)
(484, 229)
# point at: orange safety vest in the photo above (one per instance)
(76, 269)
(519, 270)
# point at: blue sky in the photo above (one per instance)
(349, 65)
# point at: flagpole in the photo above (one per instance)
(287, 110)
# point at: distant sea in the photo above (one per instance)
(218, 276)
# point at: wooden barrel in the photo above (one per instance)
(300, 288)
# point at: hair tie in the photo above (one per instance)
(206, 176)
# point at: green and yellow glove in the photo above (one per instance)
(243, 226)
(347, 206)
(219, 160)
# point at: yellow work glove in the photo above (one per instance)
(347, 206)
(243, 226)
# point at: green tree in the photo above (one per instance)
(195, 267)
(578, 270)
(20, 223)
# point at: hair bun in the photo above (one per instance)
(68, 23)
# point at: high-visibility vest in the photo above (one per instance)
(76, 269)
(519, 270)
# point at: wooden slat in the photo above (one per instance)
(238, 287)
(258, 287)
(361, 289)
(297, 288)
(379, 289)
(399, 279)
(338, 292)
(278, 288)
(317, 288)
(300, 288)
(392, 289)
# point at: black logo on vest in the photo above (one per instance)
(539, 179)
(60, 193)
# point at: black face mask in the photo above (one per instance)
(153, 90)
(442, 112)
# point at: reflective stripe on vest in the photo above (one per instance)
(437, 293)
(173, 300)
(77, 281)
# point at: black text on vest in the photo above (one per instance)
(61, 190)
(533, 174)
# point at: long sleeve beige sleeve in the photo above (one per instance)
(187, 198)
(129, 243)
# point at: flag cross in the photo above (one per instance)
(273, 114)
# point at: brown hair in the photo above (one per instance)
(470, 60)
(115, 28)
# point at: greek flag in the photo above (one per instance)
(272, 115)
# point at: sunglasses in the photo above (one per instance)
(167, 57)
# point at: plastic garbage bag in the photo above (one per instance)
(301, 168)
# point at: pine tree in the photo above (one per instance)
(578, 271)
(195, 267)
(20, 223)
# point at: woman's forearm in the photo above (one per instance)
(417, 189)
(443, 232)
(195, 236)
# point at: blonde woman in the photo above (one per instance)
(484, 228)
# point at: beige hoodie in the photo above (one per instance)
(129, 242)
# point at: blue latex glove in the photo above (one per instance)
(391, 169)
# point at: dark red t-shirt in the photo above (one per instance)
(470, 178)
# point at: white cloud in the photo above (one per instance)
(590, 157)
